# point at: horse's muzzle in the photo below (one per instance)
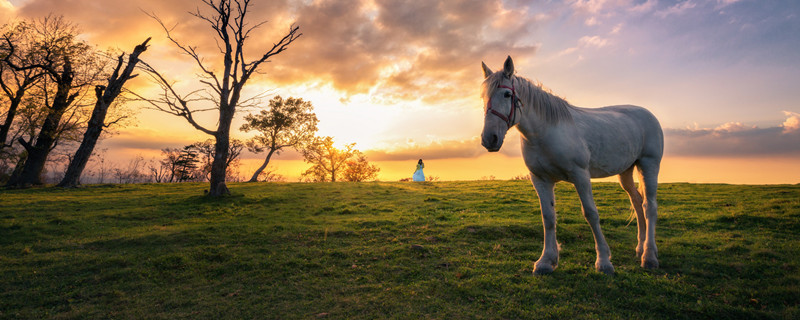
(492, 142)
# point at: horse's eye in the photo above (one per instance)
(507, 94)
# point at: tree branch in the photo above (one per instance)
(175, 103)
(188, 50)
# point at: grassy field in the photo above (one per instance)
(444, 250)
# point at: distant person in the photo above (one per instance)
(418, 175)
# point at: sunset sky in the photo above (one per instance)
(402, 79)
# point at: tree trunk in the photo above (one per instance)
(219, 166)
(73, 175)
(31, 173)
(18, 168)
(12, 112)
(105, 97)
(262, 167)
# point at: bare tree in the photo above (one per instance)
(287, 123)
(170, 162)
(231, 30)
(158, 172)
(206, 152)
(105, 96)
(271, 175)
(132, 173)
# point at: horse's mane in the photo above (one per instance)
(549, 107)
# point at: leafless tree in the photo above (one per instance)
(170, 162)
(207, 152)
(105, 96)
(158, 172)
(132, 173)
(231, 30)
(271, 175)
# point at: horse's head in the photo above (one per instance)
(500, 102)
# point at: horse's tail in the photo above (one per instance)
(633, 211)
(631, 216)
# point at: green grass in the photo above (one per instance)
(444, 250)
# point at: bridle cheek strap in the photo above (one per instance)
(509, 119)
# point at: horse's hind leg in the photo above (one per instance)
(626, 181)
(584, 187)
(648, 175)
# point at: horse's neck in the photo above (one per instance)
(543, 111)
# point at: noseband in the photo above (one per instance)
(509, 119)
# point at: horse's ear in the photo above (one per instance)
(486, 71)
(508, 67)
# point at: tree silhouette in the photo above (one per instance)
(105, 96)
(231, 30)
(327, 161)
(358, 169)
(287, 123)
(69, 66)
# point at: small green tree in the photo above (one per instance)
(289, 123)
(328, 162)
(359, 169)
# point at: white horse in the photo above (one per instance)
(561, 142)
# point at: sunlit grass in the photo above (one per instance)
(389, 250)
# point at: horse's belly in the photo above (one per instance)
(612, 162)
(602, 172)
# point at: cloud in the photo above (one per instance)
(586, 42)
(677, 9)
(146, 139)
(398, 49)
(402, 48)
(469, 148)
(736, 139)
(725, 3)
(7, 11)
(728, 139)
(445, 149)
(617, 28)
(593, 41)
(589, 6)
(792, 123)
(643, 7)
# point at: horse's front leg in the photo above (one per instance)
(584, 187)
(547, 201)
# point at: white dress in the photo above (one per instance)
(418, 175)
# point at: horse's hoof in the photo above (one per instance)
(542, 269)
(606, 268)
(650, 264)
(639, 253)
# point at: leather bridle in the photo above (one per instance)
(509, 119)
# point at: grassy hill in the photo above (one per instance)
(446, 250)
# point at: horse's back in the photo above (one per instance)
(635, 121)
(618, 136)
